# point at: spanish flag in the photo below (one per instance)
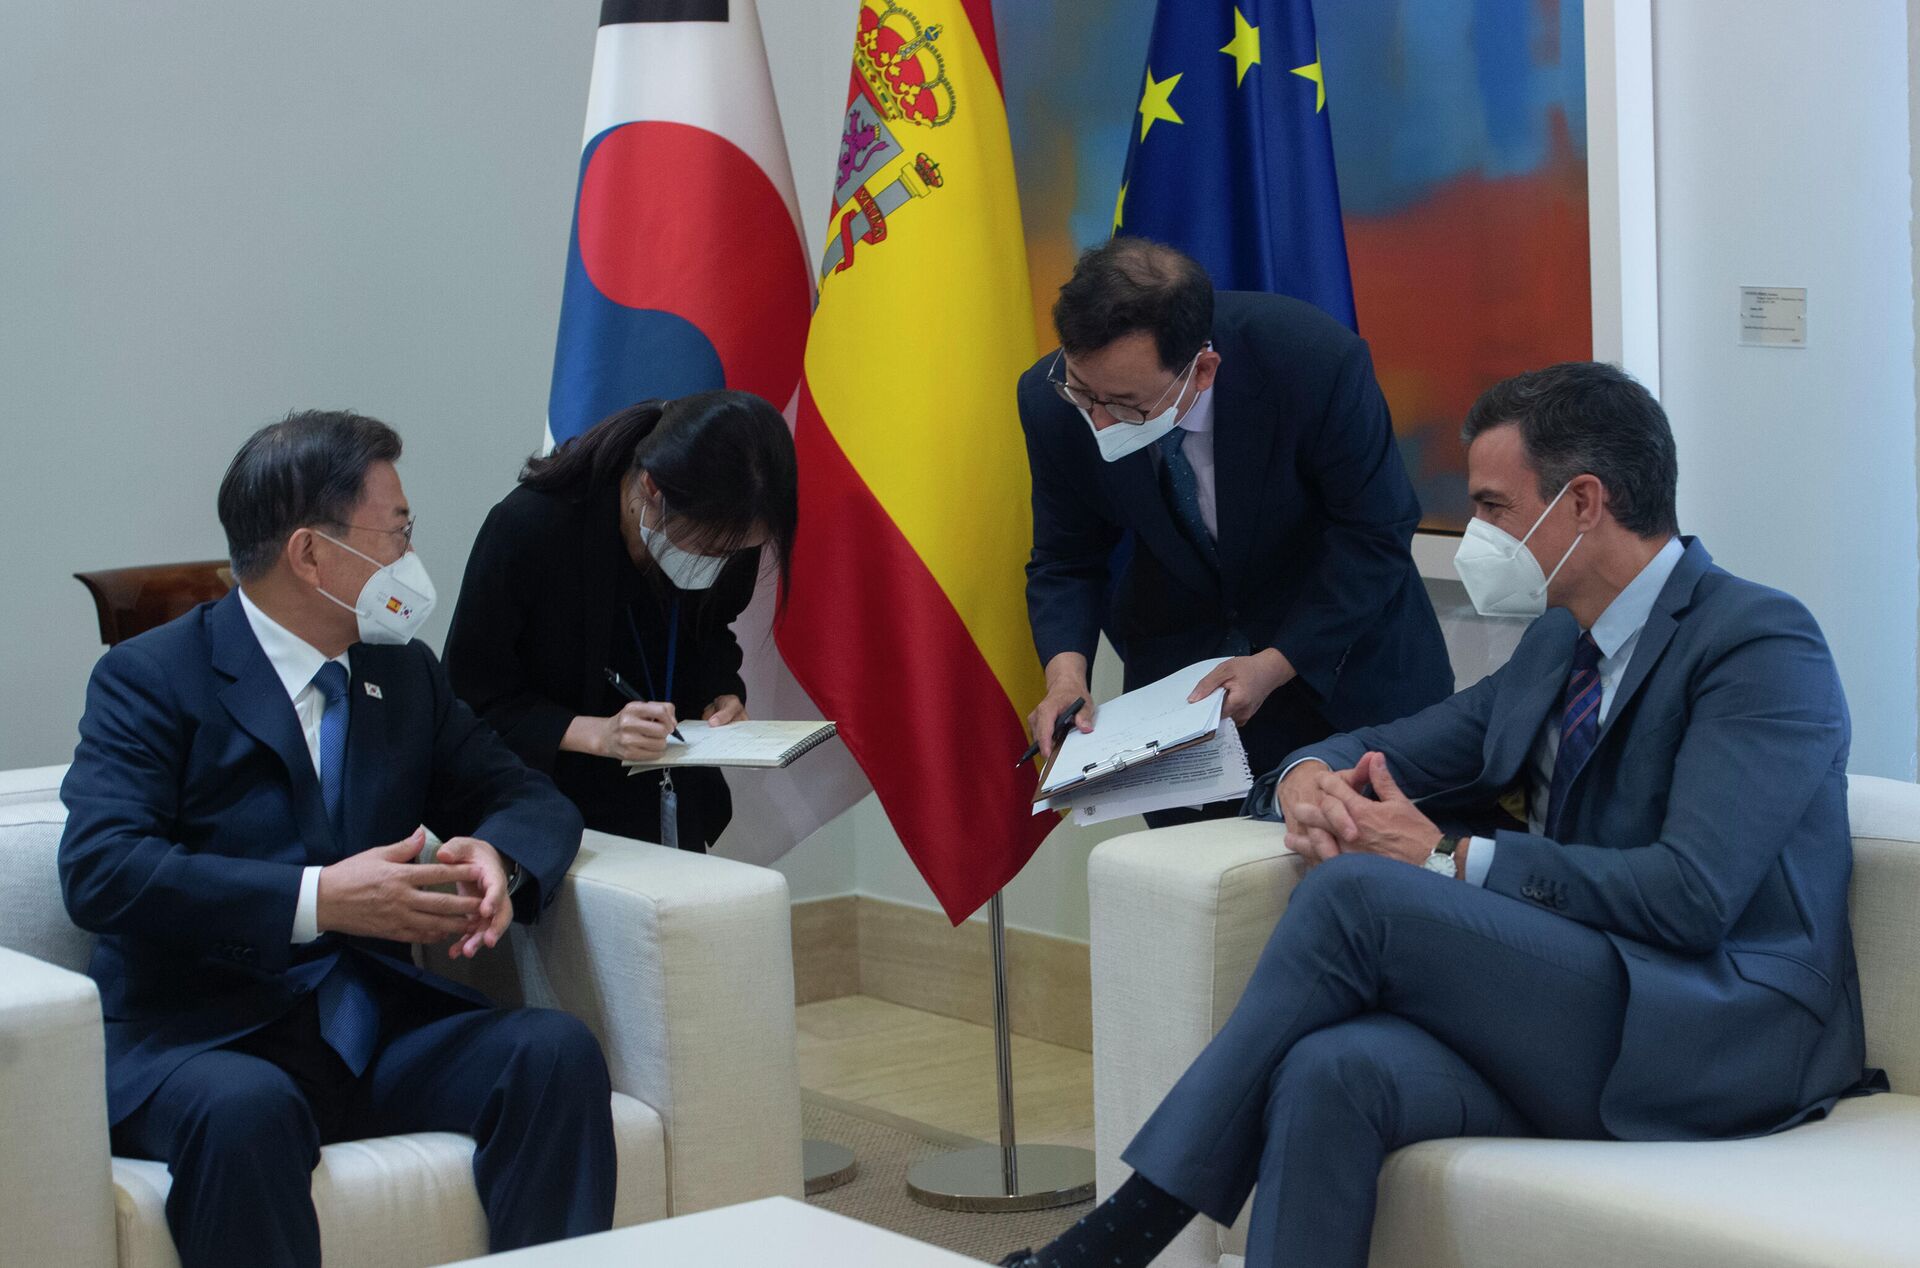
(906, 621)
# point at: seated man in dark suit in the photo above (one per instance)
(1242, 441)
(244, 816)
(1660, 952)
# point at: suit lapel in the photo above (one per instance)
(1133, 484)
(1536, 695)
(367, 749)
(1675, 597)
(1243, 438)
(258, 702)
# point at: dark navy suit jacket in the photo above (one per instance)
(1316, 520)
(193, 806)
(1706, 836)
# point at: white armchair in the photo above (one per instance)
(681, 963)
(1179, 917)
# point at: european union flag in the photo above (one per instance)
(1232, 158)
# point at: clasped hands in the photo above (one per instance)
(1329, 812)
(383, 893)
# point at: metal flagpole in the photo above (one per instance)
(1008, 1176)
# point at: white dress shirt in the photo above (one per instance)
(1198, 450)
(1616, 634)
(296, 661)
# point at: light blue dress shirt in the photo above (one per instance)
(1616, 634)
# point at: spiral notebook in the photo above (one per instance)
(741, 745)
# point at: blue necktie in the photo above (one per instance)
(331, 682)
(349, 1013)
(1579, 726)
(1183, 495)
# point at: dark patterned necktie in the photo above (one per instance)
(1183, 495)
(1579, 727)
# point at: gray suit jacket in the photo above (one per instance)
(1706, 836)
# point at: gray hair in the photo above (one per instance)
(308, 468)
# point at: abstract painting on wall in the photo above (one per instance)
(1459, 132)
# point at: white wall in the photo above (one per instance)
(211, 214)
(1783, 160)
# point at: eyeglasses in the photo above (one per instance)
(405, 530)
(1080, 398)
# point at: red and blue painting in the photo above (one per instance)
(1459, 135)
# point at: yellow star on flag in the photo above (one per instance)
(1119, 205)
(1157, 102)
(1313, 71)
(1244, 48)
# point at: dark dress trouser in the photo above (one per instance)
(1391, 1005)
(240, 1127)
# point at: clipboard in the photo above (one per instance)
(1126, 759)
(1134, 729)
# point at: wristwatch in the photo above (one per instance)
(514, 875)
(1441, 860)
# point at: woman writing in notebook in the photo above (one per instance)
(594, 618)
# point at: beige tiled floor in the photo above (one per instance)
(939, 1071)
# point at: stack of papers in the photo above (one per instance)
(1149, 750)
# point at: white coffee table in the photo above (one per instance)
(770, 1233)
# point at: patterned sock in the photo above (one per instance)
(1125, 1231)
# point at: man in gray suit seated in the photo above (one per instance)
(1653, 947)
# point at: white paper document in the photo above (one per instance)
(1192, 777)
(1133, 728)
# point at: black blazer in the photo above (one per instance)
(192, 807)
(543, 611)
(1316, 518)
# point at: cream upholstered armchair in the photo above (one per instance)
(681, 963)
(1180, 916)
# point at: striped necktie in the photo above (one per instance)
(1579, 727)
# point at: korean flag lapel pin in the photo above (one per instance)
(373, 690)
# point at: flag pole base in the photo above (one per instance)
(1008, 1176)
(826, 1165)
(975, 1179)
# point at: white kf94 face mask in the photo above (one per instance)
(396, 600)
(684, 568)
(1501, 575)
(1120, 439)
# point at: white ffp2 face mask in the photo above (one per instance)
(1121, 439)
(395, 601)
(684, 568)
(1501, 575)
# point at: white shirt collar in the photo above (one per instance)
(1632, 606)
(294, 659)
(1199, 416)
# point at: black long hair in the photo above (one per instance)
(723, 462)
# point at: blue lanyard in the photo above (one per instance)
(673, 650)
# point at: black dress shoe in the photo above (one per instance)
(1021, 1259)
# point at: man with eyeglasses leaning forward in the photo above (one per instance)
(1242, 440)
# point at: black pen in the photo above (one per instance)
(1060, 725)
(620, 685)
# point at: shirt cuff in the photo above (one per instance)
(1286, 771)
(306, 912)
(1479, 860)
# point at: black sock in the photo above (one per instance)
(1128, 1229)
